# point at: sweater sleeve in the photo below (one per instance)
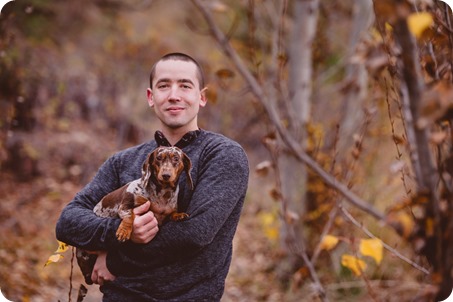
(215, 205)
(78, 225)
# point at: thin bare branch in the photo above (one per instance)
(386, 246)
(412, 92)
(269, 107)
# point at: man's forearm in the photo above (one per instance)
(82, 228)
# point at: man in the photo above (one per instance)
(179, 261)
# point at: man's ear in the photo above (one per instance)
(149, 95)
(203, 98)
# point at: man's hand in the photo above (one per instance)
(145, 224)
(100, 272)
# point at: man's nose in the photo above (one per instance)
(174, 93)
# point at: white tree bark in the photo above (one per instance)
(356, 76)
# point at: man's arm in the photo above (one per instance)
(145, 229)
(78, 225)
(218, 196)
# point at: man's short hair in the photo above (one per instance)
(178, 56)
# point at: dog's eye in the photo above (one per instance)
(159, 157)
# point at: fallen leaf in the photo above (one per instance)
(271, 233)
(270, 226)
(267, 218)
(438, 137)
(399, 140)
(291, 217)
(429, 229)
(356, 265)
(403, 223)
(62, 247)
(53, 259)
(263, 168)
(419, 22)
(225, 73)
(372, 248)
(328, 242)
(275, 194)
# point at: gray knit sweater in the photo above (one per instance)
(187, 260)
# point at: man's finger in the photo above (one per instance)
(94, 277)
(142, 209)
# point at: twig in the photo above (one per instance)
(412, 87)
(385, 245)
(333, 213)
(298, 248)
(450, 37)
(71, 273)
(348, 178)
(269, 107)
(259, 93)
(395, 141)
(375, 283)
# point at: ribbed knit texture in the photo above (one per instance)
(187, 260)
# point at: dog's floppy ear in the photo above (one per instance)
(187, 168)
(147, 169)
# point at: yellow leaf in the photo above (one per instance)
(356, 265)
(62, 247)
(53, 259)
(271, 233)
(403, 223)
(419, 22)
(270, 226)
(328, 242)
(267, 218)
(373, 248)
(429, 227)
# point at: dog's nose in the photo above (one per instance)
(166, 176)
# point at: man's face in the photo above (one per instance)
(175, 95)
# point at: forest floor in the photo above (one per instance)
(28, 214)
(29, 211)
(31, 201)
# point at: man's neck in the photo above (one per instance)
(174, 135)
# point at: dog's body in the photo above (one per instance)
(159, 184)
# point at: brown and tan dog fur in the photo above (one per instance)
(159, 184)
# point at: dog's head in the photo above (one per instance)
(164, 166)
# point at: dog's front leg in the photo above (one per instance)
(178, 216)
(125, 212)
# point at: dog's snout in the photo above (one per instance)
(166, 176)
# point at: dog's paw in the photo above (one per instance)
(123, 234)
(179, 216)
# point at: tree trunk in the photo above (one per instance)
(293, 173)
(356, 77)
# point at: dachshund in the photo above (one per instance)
(158, 184)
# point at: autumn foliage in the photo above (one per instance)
(344, 108)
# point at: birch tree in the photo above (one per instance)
(286, 97)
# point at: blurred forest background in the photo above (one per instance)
(344, 109)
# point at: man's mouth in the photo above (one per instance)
(175, 109)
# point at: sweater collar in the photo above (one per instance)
(186, 140)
